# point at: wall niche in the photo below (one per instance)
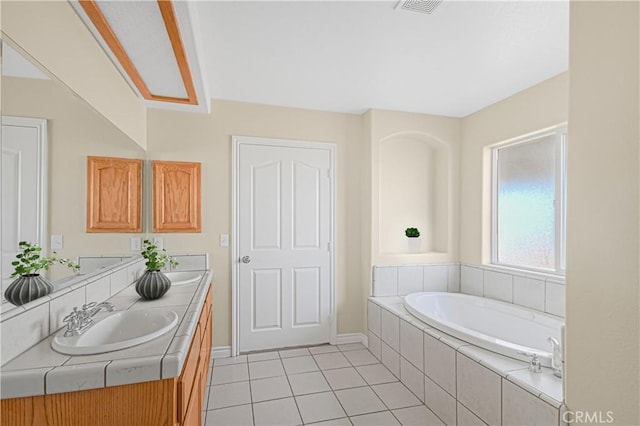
(414, 190)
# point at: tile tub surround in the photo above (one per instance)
(542, 292)
(457, 381)
(40, 370)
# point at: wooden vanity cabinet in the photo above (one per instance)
(192, 381)
(114, 194)
(170, 402)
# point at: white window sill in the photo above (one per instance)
(527, 273)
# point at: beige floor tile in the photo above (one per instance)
(360, 357)
(319, 407)
(237, 416)
(228, 395)
(264, 369)
(280, 412)
(343, 378)
(229, 374)
(384, 418)
(359, 401)
(417, 416)
(376, 374)
(300, 364)
(305, 383)
(396, 395)
(270, 388)
(331, 360)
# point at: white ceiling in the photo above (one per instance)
(350, 56)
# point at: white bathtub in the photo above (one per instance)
(497, 326)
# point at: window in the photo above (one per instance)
(528, 194)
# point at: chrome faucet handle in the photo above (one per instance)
(71, 318)
(535, 366)
(73, 321)
(88, 305)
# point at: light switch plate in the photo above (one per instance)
(135, 243)
(224, 240)
(56, 242)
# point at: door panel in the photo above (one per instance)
(284, 235)
(266, 299)
(307, 296)
(265, 205)
(23, 200)
(306, 206)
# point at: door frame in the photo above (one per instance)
(43, 170)
(236, 141)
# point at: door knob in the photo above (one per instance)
(246, 259)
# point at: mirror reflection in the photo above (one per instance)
(47, 134)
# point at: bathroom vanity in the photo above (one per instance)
(160, 382)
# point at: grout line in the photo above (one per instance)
(253, 416)
(295, 401)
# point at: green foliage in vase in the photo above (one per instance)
(156, 258)
(412, 232)
(30, 260)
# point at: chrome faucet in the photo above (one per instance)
(535, 366)
(81, 319)
(556, 358)
(96, 308)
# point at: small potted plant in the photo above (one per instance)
(29, 284)
(153, 284)
(413, 235)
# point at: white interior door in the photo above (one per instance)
(284, 231)
(23, 187)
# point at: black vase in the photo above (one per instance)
(153, 285)
(26, 288)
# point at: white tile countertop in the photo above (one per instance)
(40, 370)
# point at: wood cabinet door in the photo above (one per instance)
(176, 196)
(193, 413)
(114, 194)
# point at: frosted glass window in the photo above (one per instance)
(528, 204)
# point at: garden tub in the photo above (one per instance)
(504, 328)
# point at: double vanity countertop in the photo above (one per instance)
(40, 370)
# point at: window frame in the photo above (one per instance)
(560, 188)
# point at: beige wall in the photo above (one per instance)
(74, 131)
(207, 138)
(603, 306)
(53, 34)
(536, 108)
(442, 134)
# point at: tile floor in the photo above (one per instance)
(323, 385)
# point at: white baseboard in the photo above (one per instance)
(343, 339)
(221, 352)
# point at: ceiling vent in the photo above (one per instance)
(422, 6)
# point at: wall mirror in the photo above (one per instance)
(55, 175)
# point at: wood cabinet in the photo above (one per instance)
(114, 194)
(176, 196)
(170, 402)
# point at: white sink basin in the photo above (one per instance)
(118, 330)
(183, 278)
